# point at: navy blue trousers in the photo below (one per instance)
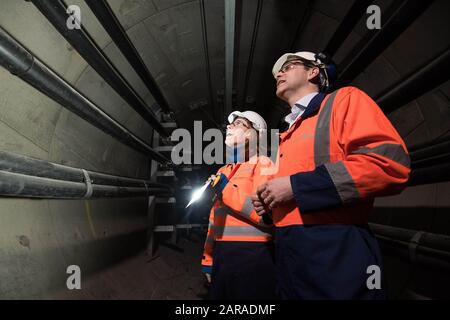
(326, 262)
(243, 271)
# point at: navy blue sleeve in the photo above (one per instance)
(207, 269)
(314, 190)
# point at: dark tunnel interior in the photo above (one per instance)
(92, 93)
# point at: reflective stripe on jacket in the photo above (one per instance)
(232, 217)
(340, 154)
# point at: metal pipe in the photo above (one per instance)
(251, 54)
(56, 13)
(437, 159)
(430, 151)
(21, 63)
(399, 249)
(408, 12)
(207, 63)
(230, 17)
(429, 252)
(427, 239)
(430, 164)
(346, 26)
(16, 163)
(434, 174)
(25, 186)
(112, 25)
(306, 15)
(424, 247)
(427, 77)
(23, 176)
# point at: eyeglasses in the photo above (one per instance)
(239, 122)
(290, 65)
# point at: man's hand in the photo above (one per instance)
(208, 277)
(274, 193)
(259, 205)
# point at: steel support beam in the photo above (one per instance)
(112, 25)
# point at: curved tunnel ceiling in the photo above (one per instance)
(172, 38)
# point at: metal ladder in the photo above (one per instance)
(163, 212)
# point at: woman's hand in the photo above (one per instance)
(212, 178)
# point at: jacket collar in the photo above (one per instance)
(313, 105)
(311, 109)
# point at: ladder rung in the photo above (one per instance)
(165, 173)
(171, 228)
(166, 200)
(169, 124)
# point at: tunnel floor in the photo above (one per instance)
(172, 274)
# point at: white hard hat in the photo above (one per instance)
(305, 55)
(257, 121)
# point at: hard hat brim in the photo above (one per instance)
(305, 55)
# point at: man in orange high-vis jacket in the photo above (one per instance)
(339, 152)
(238, 251)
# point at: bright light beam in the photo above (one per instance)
(197, 194)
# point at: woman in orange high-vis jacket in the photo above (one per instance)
(238, 251)
(339, 152)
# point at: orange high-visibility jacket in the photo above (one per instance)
(340, 154)
(232, 217)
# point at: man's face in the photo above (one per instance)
(291, 77)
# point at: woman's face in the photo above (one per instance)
(237, 132)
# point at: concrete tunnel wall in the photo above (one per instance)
(40, 238)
